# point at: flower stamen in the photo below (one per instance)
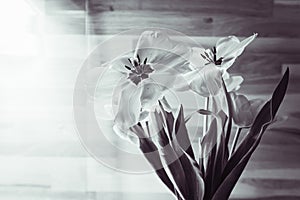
(210, 55)
(138, 71)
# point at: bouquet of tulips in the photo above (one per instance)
(147, 112)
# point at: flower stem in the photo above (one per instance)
(235, 140)
(205, 121)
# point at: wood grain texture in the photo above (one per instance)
(52, 6)
(252, 8)
(40, 154)
(196, 18)
(262, 64)
(194, 23)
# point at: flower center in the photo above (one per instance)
(138, 70)
(211, 56)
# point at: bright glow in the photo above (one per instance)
(17, 20)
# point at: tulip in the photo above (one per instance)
(144, 77)
(244, 111)
(209, 66)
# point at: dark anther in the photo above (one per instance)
(138, 57)
(129, 61)
(138, 71)
(139, 124)
(214, 50)
(206, 54)
(219, 62)
(203, 56)
(135, 63)
(127, 67)
(215, 54)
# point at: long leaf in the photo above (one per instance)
(167, 117)
(266, 115)
(225, 151)
(241, 156)
(194, 176)
(192, 172)
(227, 185)
(183, 138)
(229, 122)
(152, 155)
(224, 190)
(170, 157)
(213, 145)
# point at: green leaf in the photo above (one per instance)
(241, 156)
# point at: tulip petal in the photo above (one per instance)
(229, 48)
(120, 62)
(196, 61)
(129, 108)
(226, 46)
(159, 40)
(150, 94)
(213, 78)
(233, 82)
(165, 80)
(197, 82)
(244, 111)
(125, 135)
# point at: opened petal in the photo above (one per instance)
(196, 82)
(206, 81)
(120, 62)
(196, 60)
(230, 48)
(159, 49)
(150, 94)
(157, 39)
(213, 78)
(128, 107)
(233, 83)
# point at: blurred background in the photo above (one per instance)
(42, 46)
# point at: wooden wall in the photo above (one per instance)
(276, 21)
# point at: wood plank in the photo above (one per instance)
(65, 23)
(264, 56)
(52, 6)
(75, 177)
(202, 18)
(262, 64)
(287, 2)
(194, 23)
(244, 8)
(261, 44)
(58, 46)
